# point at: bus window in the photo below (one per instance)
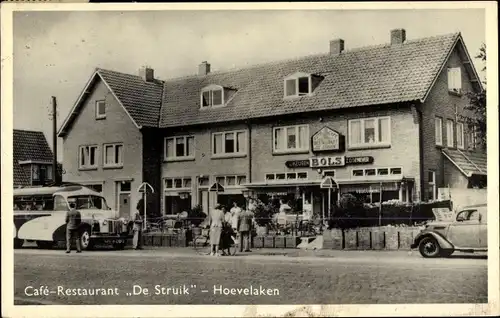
(60, 204)
(89, 202)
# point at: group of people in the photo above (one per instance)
(227, 225)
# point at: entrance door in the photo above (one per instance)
(124, 205)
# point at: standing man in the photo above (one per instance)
(73, 221)
(137, 241)
(245, 228)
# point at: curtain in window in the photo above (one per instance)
(291, 134)
(217, 143)
(369, 131)
(383, 128)
(109, 154)
(303, 137)
(278, 139)
(170, 148)
(241, 142)
(119, 154)
(190, 146)
(355, 137)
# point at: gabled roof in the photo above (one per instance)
(381, 74)
(29, 146)
(141, 100)
(468, 162)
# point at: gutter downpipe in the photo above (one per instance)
(418, 110)
(249, 126)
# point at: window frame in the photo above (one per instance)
(450, 136)
(114, 145)
(472, 142)
(235, 135)
(295, 77)
(438, 128)
(462, 135)
(175, 157)
(307, 142)
(211, 89)
(173, 188)
(97, 114)
(236, 178)
(96, 159)
(285, 179)
(452, 85)
(433, 184)
(377, 174)
(35, 176)
(375, 144)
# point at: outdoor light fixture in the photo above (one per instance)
(184, 195)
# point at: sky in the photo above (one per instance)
(56, 52)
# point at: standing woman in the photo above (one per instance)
(216, 221)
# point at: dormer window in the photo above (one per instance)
(455, 80)
(212, 96)
(300, 84)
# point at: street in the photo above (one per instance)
(180, 276)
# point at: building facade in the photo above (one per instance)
(384, 122)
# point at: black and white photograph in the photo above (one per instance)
(249, 156)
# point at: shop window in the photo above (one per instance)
(176, 204)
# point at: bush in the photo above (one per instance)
(196, 215)
(263, 213)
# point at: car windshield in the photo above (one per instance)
(89, 202)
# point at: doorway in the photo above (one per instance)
(124, 204)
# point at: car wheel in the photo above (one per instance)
(18, 243)
(85, 242)
(429, 247)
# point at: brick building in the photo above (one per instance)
(382, 121)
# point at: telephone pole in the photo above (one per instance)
(54, 140)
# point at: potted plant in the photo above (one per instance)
(196, 215)
(263, 216)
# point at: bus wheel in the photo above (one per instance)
(85, 241)
(18, 243)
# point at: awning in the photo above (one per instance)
(468, 162)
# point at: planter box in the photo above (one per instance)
(364, 240)
(157, 240)
(292, 241)
(258, 242)
(405, 239)
(167, 241)
(279, 242)
(392, 239)
(147, 240)
(351, 240)
(268, 241)
(378, 240)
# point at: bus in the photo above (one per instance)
(40, 216)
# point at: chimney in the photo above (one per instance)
(336, 46)
(147, 74)
(203, 68)
(398, 36)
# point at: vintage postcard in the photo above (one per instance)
(302, 159)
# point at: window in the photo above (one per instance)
(329, 173)
(289, 176)
(358, 173)
(374, 172)
(229, 143)
(96, 187)
(178, 148)
(88, 157)
(203, 182)
(212, 96)
(431, 185)
(60, 203)
(113, 155)
(395, 171)
(438, 126)
(450, 133)
(460, 135)
(370, 172)
(177, 183)
(291, 138)
(454, 80)
(231, 180)
(383, 172)
(100, 109)
(370, 132)
(36, 172)
(299, 84)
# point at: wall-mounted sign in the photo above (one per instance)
(335, 161)
(297, 163)
(327, 139)
(320, 162)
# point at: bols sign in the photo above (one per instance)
(327, 162)
(335, 161)
(327, 139)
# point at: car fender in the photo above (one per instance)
(443, 242)
(41, 228)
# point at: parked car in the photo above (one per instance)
(466, 232)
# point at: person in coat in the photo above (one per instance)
(216, 221)
(244, 228)
(138, 221)
(73, 221)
